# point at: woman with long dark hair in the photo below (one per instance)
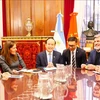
(10, 60)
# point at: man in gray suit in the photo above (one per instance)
(49, 57)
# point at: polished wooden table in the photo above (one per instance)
(85, 86)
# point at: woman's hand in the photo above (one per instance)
(5, 75)
(15, 72)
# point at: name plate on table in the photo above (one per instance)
(16, 76)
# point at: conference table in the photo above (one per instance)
(84, 86)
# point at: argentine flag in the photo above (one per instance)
(59, 34)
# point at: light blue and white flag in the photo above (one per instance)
(59, 34)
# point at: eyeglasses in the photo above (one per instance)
(72, 46)
(97, 41)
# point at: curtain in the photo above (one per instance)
(68, 9)
(4, 17)
(1, 23)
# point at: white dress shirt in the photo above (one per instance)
(48, 54)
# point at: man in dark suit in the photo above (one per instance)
(80, 54)
(49, 57)
(94, 57)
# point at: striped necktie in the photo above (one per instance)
(73, 60)
(74, 72)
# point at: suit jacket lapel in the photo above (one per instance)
(53, 57)
(69, 56)
(45, 58)
(94, 56)
(76, 55)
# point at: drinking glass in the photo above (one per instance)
(60, 91)
(60, 73)
(24, 97)
(69, 70)
(97, 68)
(36, 91)
(17, 98)
(44, 83)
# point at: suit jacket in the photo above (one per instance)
(41, 60)
(80, 57)
(92, 57)
(15, 65)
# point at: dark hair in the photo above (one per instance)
(6, 52)
(72, 39)
(50, 38)
(90, 24)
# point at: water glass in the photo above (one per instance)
(45, 85)
(60, 91)
(24, 97)
(60, 73)
(97, 68)
(36, 92)
(17, 98)
(69, 70)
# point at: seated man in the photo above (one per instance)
(49, 57)
(73, 55)
(94, 58)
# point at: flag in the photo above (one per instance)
(79, 7)
(59, 34)
(73, 26)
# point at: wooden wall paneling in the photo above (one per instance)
(60, 7)
(33, 17)
(17, 16)
(25, 13)
(51, 15)
(12, 17)
(47, 17)
(42, 12)
(39, 17)
(8, 18)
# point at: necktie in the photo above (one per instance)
(74, 72)
(50, 60)
(73, 60)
